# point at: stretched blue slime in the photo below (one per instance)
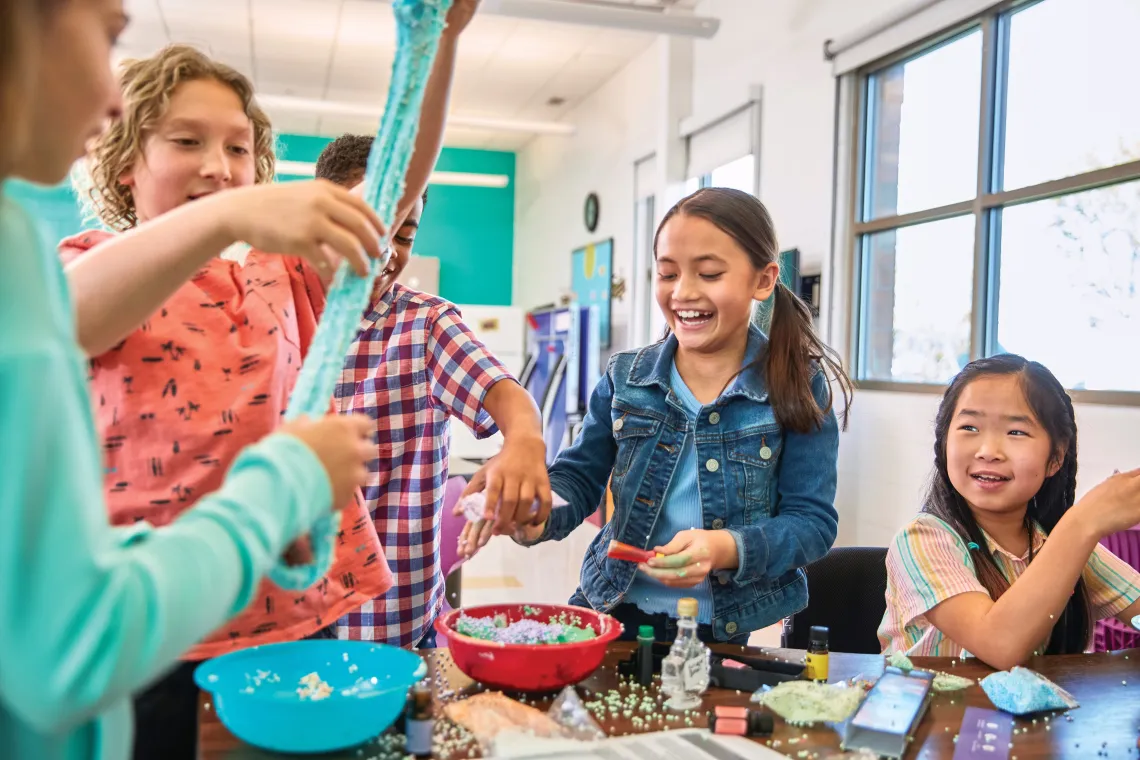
(419, 24)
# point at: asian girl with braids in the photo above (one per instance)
(1003, 562)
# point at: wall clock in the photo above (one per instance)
(591, 212)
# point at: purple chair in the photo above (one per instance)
(1110, 634)
(450, 529)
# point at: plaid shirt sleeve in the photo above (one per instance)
(461, 371)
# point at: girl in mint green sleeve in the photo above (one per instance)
(88, 613)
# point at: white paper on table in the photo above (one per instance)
(685, 744)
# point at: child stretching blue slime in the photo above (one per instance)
(721, 442)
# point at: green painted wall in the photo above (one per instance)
(469, 229)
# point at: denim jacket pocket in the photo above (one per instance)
(753, 457)
(631, 431)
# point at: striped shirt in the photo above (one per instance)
(681, 511)
(930, 563)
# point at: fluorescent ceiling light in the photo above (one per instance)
(334, 108)
(469, 179)
(607, 16)
(461, 179)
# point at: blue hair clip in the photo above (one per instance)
(972, 546)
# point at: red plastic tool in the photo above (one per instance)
(621, 551)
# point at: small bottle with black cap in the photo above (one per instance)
(816, 661)
(419, 721)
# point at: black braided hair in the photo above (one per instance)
(1053, 408)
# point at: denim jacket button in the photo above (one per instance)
(618, 425)
(717, 524)
(714, 418)
(730, 628)
(723, 579)
(712, 465)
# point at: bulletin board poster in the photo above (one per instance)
(790, 276)
(591, 280)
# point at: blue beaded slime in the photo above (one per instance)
(419, 24)
(1021, 691)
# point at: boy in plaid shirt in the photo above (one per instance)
(413, 366)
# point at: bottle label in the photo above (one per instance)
(694, 671)
(815, 666)
(418, 741)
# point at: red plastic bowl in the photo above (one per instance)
(528, 667)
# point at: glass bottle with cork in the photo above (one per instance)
(685, 671)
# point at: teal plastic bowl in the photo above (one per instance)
(255, 693)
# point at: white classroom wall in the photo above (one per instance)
(553, 178)
(774, 47)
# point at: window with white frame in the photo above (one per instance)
(997, 207)
(646, 326)
(723, 154)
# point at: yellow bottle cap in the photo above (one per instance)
(687, 607)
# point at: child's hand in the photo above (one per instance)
(691, 556)
(344, 445)
(1111, 506)
(476, 534)
(300, 552)
(316, 220)
(516, 486)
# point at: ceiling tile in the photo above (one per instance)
(373, 97)
(204, 16)
(342, 50)
(144, 11)
(298, 124)
(290, 87)
(366, 22)
(143, 34)
(578, 79)
(335, 126)
(460, 137)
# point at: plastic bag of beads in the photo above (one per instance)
(568, 711)
(1022, 691)
(806, 703)
(488, 715)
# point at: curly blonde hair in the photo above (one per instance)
(147, 85)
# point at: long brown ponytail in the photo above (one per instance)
(795, 353)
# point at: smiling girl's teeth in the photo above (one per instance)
(693, 317)
(989, 478)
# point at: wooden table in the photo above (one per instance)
(1106, 725)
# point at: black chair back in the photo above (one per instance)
(847, 593)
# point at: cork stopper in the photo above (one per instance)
(687, 607)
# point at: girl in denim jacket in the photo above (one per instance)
(719, 443)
